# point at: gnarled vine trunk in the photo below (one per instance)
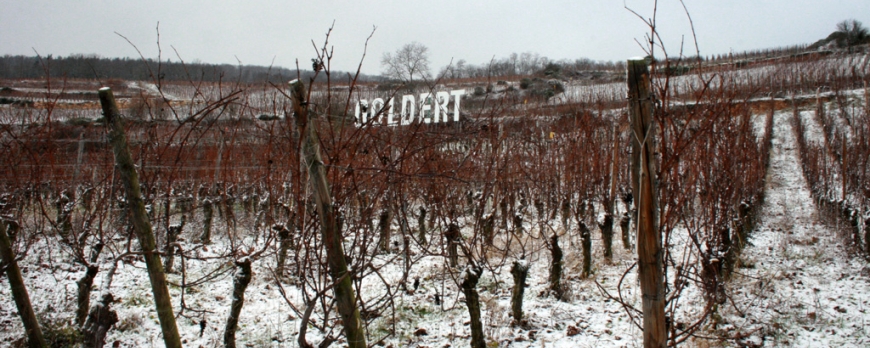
(472, 300)
(520, 271)
(240, 283)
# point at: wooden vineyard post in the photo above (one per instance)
(649, 239)
(19, 291)
(139, 219)
(843, 166)
(610, 200)
(345, 298)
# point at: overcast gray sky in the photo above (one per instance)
(260, 31)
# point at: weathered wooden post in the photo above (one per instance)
(345, 298)
(843, 154)
(19, 291)
(80, 153)
(649, 239)
(139, 219)
(610, 201)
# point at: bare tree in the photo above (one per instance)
(408, 62)
(851, 33)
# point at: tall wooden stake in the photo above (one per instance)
(19, 291)
(344, 295)
(649, 238)
(610, 204)
(141, 224)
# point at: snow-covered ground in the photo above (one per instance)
(797, 285)
(586, 319)
(151, 89)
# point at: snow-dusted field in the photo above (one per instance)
(798, 286)
(587, 319)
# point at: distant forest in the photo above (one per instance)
(95, 67)
(92, 66)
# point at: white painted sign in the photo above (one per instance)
(434, 108)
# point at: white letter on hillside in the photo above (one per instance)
(425, 99)
(376, 108)
(457, 93)
(390, 113)
(441, 101)
(408, 115)
(362, 104)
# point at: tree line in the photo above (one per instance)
(526, 64)
(92, 66)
